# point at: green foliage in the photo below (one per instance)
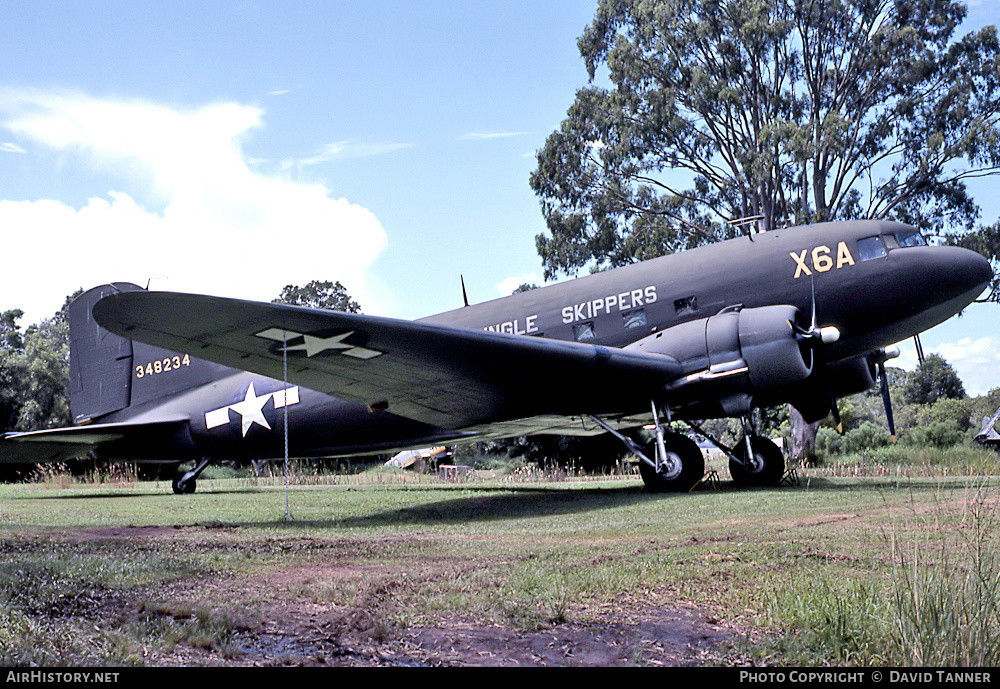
(934, 379)
(865, 436)
(986, 242)
(930, 408)
(319, 294)
(34, 375)
(10, 329)
(843, 623)
(775, 110)
(946, 594)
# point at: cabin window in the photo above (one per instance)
(685, 305)
(584, 331)
(911, 238)
(634, 318)
(871, 248)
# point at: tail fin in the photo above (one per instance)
(988, 432)
(113, 378)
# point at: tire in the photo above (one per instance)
(767, 467)
(184, 488)
(684, 469)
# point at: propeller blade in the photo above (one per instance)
(887, 400)
(835, 412)
(812, 320)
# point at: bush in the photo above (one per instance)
(939, 434)
(866, 436)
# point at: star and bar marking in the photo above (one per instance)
(251, 408)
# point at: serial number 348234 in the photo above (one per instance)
(170, 363)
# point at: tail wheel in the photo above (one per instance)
(679, 471)
(184, 487)
(766, 467)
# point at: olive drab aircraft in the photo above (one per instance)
(799, 316)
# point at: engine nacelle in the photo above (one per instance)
(813, 397)
(750, 352)
(852, 376)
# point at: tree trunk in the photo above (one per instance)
(803, 441)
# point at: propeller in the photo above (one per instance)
(882, 357)
(826, 335)
(820, 336)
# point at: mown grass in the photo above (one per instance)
(839, 570)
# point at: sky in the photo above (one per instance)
(236, 146)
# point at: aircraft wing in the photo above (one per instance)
(58, 444)
(444, 376)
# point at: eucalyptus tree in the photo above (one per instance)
(319, 294)
(704, 119)
(700, 113)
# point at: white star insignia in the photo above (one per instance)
(251, 409)
(313, 345)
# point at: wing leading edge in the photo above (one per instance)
(446, 376)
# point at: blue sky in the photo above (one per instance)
(235, 147)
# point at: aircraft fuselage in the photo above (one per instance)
(875, 299)
(876, 283)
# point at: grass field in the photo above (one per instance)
(398, 569)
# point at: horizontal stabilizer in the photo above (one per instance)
(59, 444)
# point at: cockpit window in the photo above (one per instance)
(871, 248)
(910, 239)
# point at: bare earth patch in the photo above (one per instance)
(299, 630)
(302, 633)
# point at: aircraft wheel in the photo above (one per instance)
(683, 468)
(182, 487)
(765, 468)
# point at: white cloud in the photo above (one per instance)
(488, 136)
(9, 147)
(218, 227)
(975, 360)
(341, 150)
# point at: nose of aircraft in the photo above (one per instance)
(940, 280)
(983, 269)
(968, 271)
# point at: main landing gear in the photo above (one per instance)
(757, 462)
(679, 464)
(672, 462)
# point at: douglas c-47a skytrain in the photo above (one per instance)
(800, 316)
